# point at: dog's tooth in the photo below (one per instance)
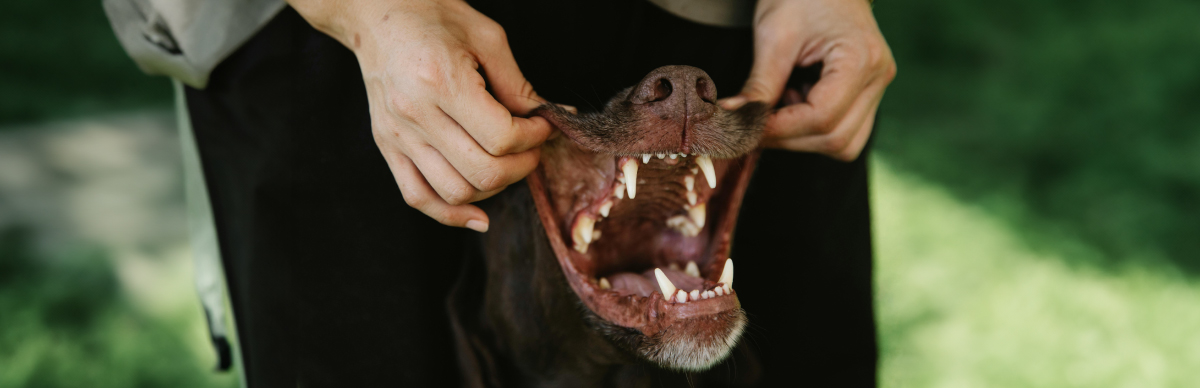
(673, 156)
(595, 235)
(727, 275)
(621, 179)
(697, 214)
(694, 295)
(692, 269)
(708, 294)
(660, 156)
(691, 197)
(689, 182)
(581, 233)
(695, 170)
(605, 207)
(710, 173)
(604, 284)
(728, 289)
(719, 291)
(645, 158)
(630, 168)
(674, 266)
(681, 296)
(664, 284)
(619, 191)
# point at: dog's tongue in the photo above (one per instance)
(644, 284)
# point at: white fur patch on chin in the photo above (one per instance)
(685, 352)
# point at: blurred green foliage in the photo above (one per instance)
(65, 323)
(1068, 118)
(61, 59)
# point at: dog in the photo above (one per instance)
(610, 266)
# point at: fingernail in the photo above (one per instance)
(733, 103)
(477, 225)
(568, 108)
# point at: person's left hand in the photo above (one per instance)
(836, 117)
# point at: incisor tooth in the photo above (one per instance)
(692, 269)
(581, 234)
(604, 284)
(664, 284)
(681, 296)
(660, 156)
(605, 208)
(630, 168)
(689, 182)
(595, 235)
(727, 275)
(694, 295)
(697, 214)
(691, 197)
(673, 156)
(720, 291)
(645, 158)
(710, 173)
(728, 291)
(619, 191)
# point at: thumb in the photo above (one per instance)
(508, 85)
(773, 64)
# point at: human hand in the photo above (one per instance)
(836, 117)
(427, 65)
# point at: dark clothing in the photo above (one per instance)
(335, 281)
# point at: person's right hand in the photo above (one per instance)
(447, 140)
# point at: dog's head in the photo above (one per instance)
(639, 203)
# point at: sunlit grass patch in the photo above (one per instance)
(964, 302)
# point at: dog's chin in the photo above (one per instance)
(650, 262)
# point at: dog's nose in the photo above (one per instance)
(675, 86)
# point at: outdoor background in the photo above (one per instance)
(1036, 188)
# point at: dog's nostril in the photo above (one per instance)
(707, 92)
(662, 90)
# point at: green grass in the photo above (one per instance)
(66, 322)
(965, 301)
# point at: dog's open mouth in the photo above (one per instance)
(640, 202)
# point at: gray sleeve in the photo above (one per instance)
(186, 39)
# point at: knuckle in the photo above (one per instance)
(459, 194)
(488, 179)
(502, 144)
(824, 124)
(404, 106)
(415, 201)
(491, 32)
(835, 144)
(430, 74)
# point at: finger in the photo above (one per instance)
(485, 172)
(827, 103)
(447, 181)
(491, 125)
(495, 58)
(848, 137)
(418, 194)
(774, 57)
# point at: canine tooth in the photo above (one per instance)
(619, 191)
(698, 213)
(694, 295)
(681, 296)
(664, 284)
(604, 284)
(660, 156)
(691, 197)
(645, 158)
(689, 182)
(581, 234)
(630, 168)
(710, 173)
(727, 275)
(606, 207)
(673, 156)
(719, 291)
(692, 269)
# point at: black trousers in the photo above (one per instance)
(335, 281)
